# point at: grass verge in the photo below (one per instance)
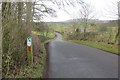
(35, 70)
(40, 69)
(38, 72)
(102, 46)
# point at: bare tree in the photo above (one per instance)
(86, 13)
(17, 18)
(118, 33)
(111, 12)
(114, 13)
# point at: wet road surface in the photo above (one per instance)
(71, 60)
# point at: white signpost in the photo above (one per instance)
(29, 41)
(29, 50)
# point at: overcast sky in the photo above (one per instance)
(103, 10)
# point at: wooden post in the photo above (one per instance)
(29, 50)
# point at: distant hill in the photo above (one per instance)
(95, 21)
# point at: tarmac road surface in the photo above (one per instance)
(71, 60)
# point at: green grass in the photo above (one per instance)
(50, 34)
(38, 72)
(102, 46)
(43, 38)
(35, 70)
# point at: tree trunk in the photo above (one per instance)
(118, 34)
(29, 17)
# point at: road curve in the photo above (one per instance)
(71, 60)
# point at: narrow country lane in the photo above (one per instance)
(71, 60)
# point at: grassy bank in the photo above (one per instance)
(37, 70)
(40, 69)
(102, 46)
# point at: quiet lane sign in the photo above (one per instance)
(29, 41)
(29, 50)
